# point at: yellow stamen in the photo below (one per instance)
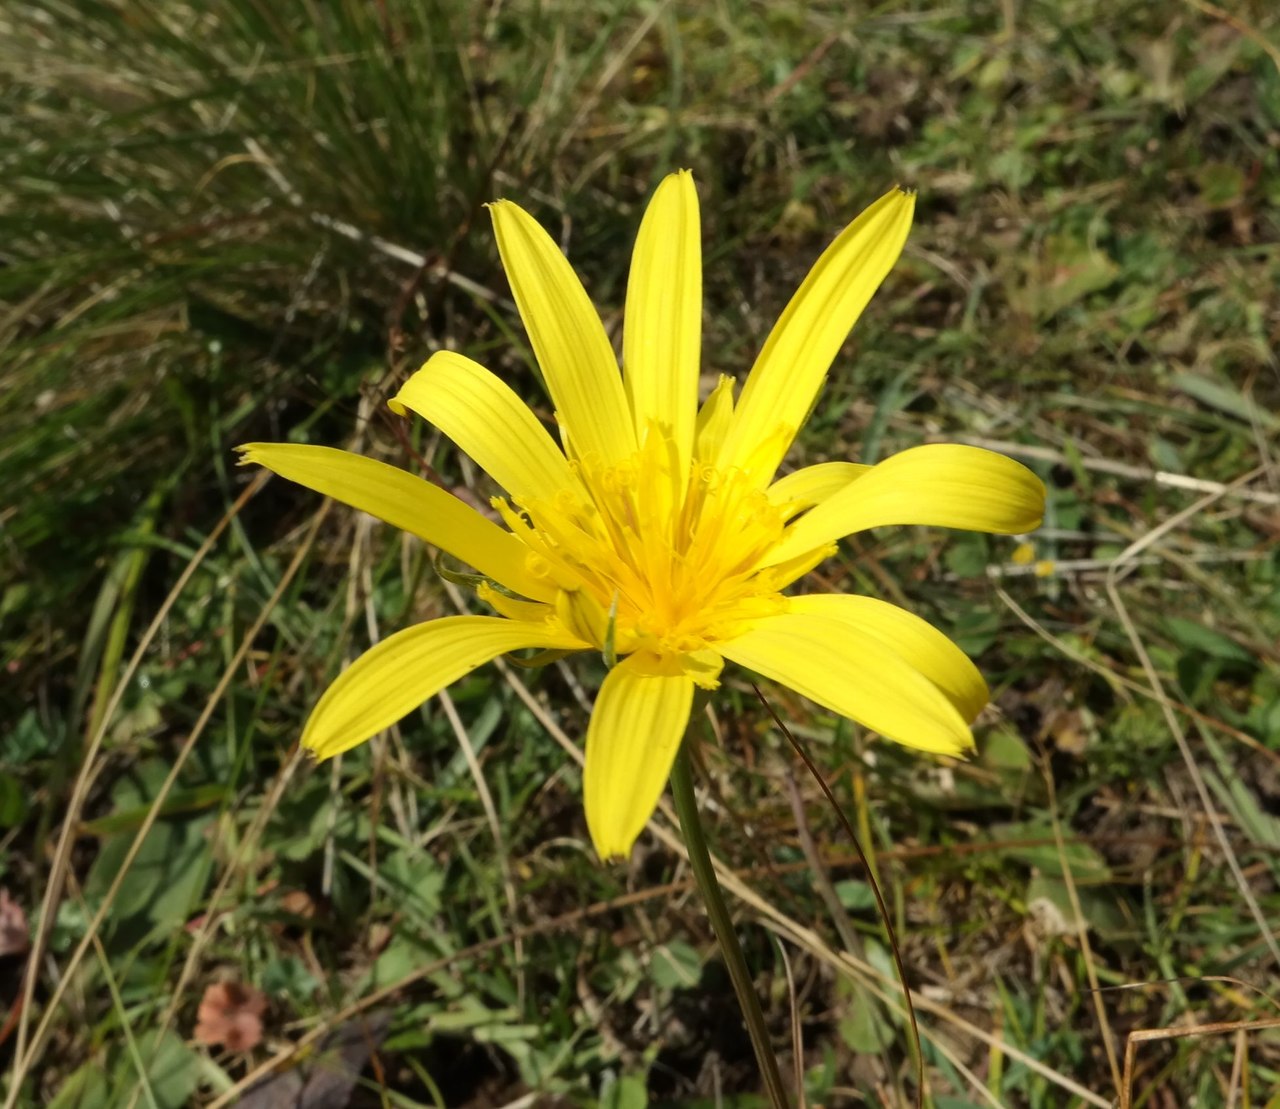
(655, 559)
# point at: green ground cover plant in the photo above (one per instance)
(242, 221)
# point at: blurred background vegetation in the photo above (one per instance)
(246, 219)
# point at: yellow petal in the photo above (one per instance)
(528, 612)
(662, 327)
(486, 419)
(917, 641)
(786, 377)
(406, 502)
(404, 670)
(805, 488)
(635, 732)
(855, 674)
(943, 485)
(713, 421)
(570, 343)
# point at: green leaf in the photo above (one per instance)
(178, 803)
(1196, 637)
(1049, 902)
(1066, 272)
(894, 397)
(966, 556)
(418, 879)
(26, 741)
(863, 1027)
(1237, 797)
(172, 1071)
(302, 821)
(400, 958)
(168, 874)
(13, 801)
(83, 1089)
(1221, 184)
(975, 629)
(1225, 398)
(1032, 843)
(675, 966)
(287, 976)
(1005, 752)
(855, 894)
(628, 1092)
(13, 598)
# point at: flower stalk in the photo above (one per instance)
(704, 874)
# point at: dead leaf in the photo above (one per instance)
(15, 933)
(230, 1015)
(1066, 728)
(298, 903)
(329, 1077)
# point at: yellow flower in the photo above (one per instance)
(658, 533)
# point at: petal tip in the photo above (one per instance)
(960, 747)
(316, 752)
(613, 855)
(613, 849)
(503, 209)
(501, 212)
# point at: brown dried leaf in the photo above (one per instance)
(328, 1078)
(14, 931)
(230, 1015)
(298, 903)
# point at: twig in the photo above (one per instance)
(1081, 925)
(1144, 1035)
(495, 829)
(1123, 685)
(872, 881)
(1166, 706)
(1121, 469)
(375, 242)
(153, 813)
(883, 985)
(1102, 565)
(62, 853)
(427, 970)
(1238, 24)
(826, 890)
(797, 1029)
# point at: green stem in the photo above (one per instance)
(704, 874)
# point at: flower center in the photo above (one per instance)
(651, 558)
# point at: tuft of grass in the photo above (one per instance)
(249, 220)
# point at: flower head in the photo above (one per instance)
(657, 532)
